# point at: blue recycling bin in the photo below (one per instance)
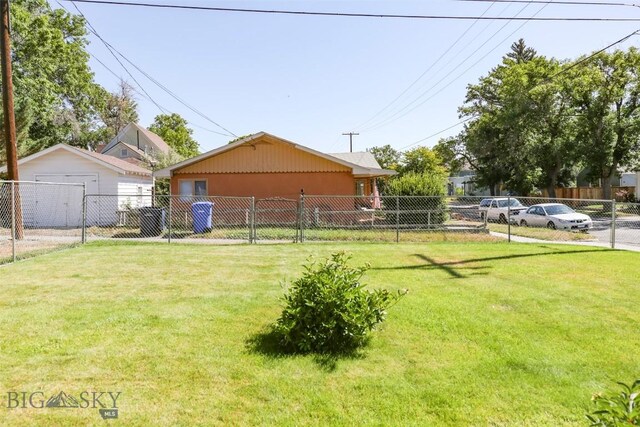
(202, 213)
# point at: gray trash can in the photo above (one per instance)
(152, 221)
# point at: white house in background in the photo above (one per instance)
(121, 184)
(628, 179)
(134, 142)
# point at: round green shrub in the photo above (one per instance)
(328, 310)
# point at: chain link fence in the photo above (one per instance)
(554, 220)
(389, 218)
(37, 217)
(157, 218)
(627, 224)
(57, 215)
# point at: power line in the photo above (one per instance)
(93, 30)
(436, 134)
(573, 3)
(425, 72)
(583, 60)
(348, 15)
(112, 49)
(177, 98)
(144, 96)
(575, 64)
(407, 109)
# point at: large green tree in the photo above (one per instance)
(448, 149)
(53, 85)
(115, 110)
(607, 98)
(522, 128)
(422, 160)
(386, 156)
(495, 138)
(174, 130)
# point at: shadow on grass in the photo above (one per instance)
(267, 344)
(452, 267)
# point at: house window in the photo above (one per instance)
(359, 187)
(124, 152)
(190, 188)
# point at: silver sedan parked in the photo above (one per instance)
(555, 216)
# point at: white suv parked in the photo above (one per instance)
(497, 209)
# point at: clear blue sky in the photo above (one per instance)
(308, 79)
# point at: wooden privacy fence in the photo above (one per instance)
(588, 193)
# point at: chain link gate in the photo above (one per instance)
(37, 217)
(278, 219)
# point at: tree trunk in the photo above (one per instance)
(551, 190)
(606, 185)
(553, 179)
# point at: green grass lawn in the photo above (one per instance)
(489, 334)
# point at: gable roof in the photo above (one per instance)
(128, 146)
(155, 139)
(110, 162)
(357, 169)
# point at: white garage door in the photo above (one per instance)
(60, 205)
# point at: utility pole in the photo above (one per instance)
(351, 139)
(9, 115)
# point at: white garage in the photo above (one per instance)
(117, 182)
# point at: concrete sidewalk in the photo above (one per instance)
(520, 239)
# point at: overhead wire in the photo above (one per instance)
(433, 64)
(564, 70)
(176, 97)
(561, 2)
(411, 106)
(113, 52)
(117, 76)
(93, 30)
(346, 14)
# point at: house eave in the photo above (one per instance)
(373, 173)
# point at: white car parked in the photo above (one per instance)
(497, 209)
(555, 216)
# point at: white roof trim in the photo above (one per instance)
(114, 141)
(357, 170)
(70, 150)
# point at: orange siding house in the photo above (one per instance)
(266, 166)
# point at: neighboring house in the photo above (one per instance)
(628, 179)
(136, 143)
(623, 178)
(266, 166)
(122, 184)
(464, 183)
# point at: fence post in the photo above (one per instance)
(170, 218)
(613, 224)
(509, 217)
(13, 220)
(397, 219)
(301, 218)
(84, 213)
(252, 221)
